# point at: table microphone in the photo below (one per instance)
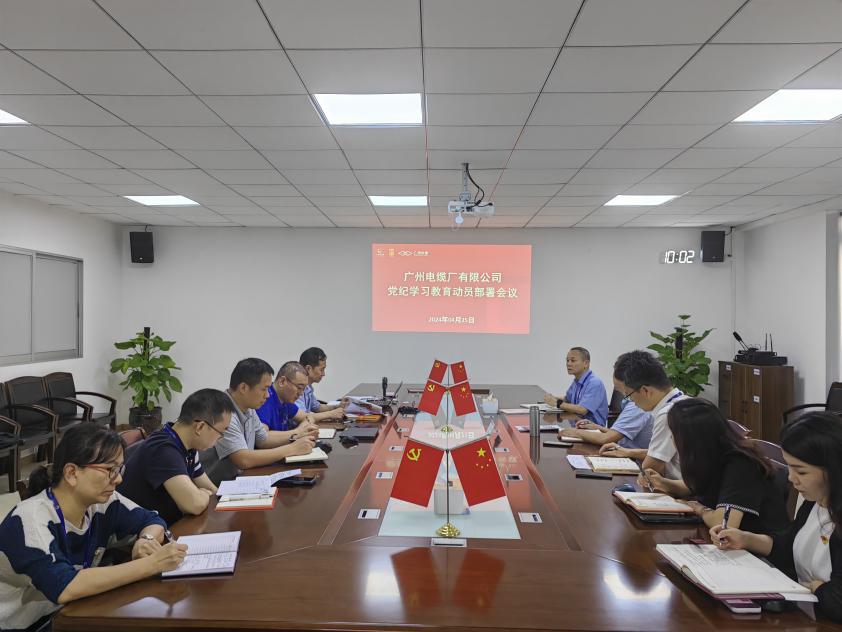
(385, 384)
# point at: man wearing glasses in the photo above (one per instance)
(586, 396)
(279, 411)
(164, 473)
(642, 379)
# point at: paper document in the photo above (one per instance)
(359, 406)
(570, 439)
(619, 465)
(253, 484)
(317, 454)
(578, 462)
(514, 411)
(544, 408)
(652, 502)
(208, 554)
(544, 428)
(327, 433)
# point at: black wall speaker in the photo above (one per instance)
(141, 246)
(713, 246)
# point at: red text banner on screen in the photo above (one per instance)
(462, 288)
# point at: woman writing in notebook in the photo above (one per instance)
(52, 543)
(721, 469)
(809, 549)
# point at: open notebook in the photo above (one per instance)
(653, 503)
(208, 554)
(317, 454)
(613, 464)
(727, 574)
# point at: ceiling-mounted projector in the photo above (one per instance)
(468, 203)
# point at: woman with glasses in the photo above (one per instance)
(810, 548)
(721, 471)
(52, 543)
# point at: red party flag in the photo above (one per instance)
(458, 372)
(438, 371)
(431, 398)
(463, 399)
(478, 472)
(417, 473)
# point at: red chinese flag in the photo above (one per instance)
(431, 398)
(478, 472)
(477, 581)
(458, 372)
(463, 399)
(417, 473)
(438, 371)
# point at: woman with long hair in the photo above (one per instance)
(52, 543)
(810, 548)
(721, 470)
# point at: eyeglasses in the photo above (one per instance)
(627, 396)
(113, 471)
(212, 427)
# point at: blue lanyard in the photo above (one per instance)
(189, 456)
(676, 396)
(580, 388)
(86, 543)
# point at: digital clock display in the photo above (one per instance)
(679, 256)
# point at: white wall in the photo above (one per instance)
(783, 287)
(31, 225)
(225, 294)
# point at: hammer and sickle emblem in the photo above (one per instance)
(414, 454)
(431, 388)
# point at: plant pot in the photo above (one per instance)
(149, 420)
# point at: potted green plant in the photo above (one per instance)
(148, 372)
(687, 367)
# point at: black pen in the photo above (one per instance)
(725, 516)
(645, 476)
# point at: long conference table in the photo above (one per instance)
(312, 564)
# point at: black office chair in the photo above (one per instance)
(38, 425)
(615, 407)
(9, 442)
(62, 389)
(832, 405)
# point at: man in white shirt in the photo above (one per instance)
(640, 377)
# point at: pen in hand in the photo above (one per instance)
(645, 476)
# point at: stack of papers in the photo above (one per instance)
(250, 492)
(208, 554)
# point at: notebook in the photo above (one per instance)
(251, 485)
(613, 464)
(731, 573)
(652, 503)
(248, 501)
(544, 408)
(317, 454)
(544, 428)
(362, 434)
(208, 554)
(327, 433)
(576, 439)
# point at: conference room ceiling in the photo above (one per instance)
(558, 105)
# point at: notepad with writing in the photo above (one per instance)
(613, 464)
(653, 503)
(317, 454)
(208, 554)
(731, 573)
(327, 433)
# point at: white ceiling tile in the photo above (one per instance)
(689, 176)
(265, 110)
(798, 157)
(478, 109)
(587, 109)
(135, 189)
(700, 202)
(473, 137)
(18, 76)
(826, 75)
(785, 21)
(346, 211)
(616, 69)
(105, 137)
(659, 136)
(761, 175)
(526, 192)
(500, 23)
(69, 158)
(65, 109)
(602, 222)
(499, 221)
(118, 219)
(204, 137)
(536, 176)
(565, 136)
(727, 188)
(385, 159)
(107, 72)
(331, 190)
(828, 135)
(27, 137)
(316, 221)
(396, 189)
(803, 188)
(568, 211)
(832, 173)
(662, 188)
(311, 137)
(257, 221)
(689, 108)
(453, 177)
(145, 158)
(155, 110)
(74, 188)
(588, 190)
(233, 71)
(632, 158)
(549, 159)
(357, 221)
(410, 222)
(324, 201)
(392, 211)
(610, 176)
(286, 202)
(736, 135)
(636, 22)
(246, 176)
(412, 177)
(193, 24)
(312, 176)
(69, 24)
(487, 70)
(33, 174)
(748, 66)
(113, 202)
(311, 159)
(551, 221)
(479, 159)
(20, 189)
(372, 71)
(188, 182)
(702, 158)
(361, 24)
(380, 137)
(234, 159)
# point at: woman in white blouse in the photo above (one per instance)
(810, 549)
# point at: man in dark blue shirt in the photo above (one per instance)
(280, 411)
(164, 473)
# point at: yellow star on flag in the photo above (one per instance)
(481, 452)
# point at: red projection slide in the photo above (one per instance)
(477, 289)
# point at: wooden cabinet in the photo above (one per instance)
(756, 396)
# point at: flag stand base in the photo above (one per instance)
(446, 429)
(447, 530)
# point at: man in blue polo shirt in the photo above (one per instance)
(164, 473)
(586, 396)
(314, 362)
(279, 411)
